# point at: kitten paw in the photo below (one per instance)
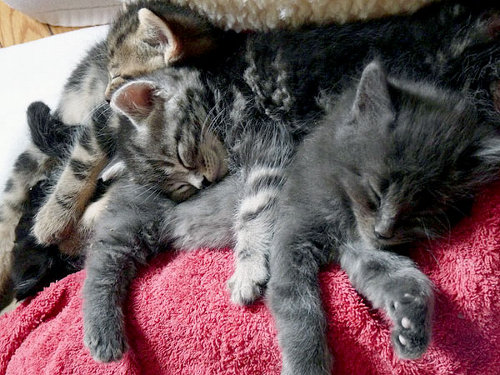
(411, 313)
(246, 284)
(52, 223)
(106, 344)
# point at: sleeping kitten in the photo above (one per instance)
(35, 266)
(260, 93)
(391, 164)
(136, 45)
(83, 92)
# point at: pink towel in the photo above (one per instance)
(179, 319)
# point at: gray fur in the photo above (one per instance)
(261, 96)
(122, 241)
(124, 54)
(384, 171)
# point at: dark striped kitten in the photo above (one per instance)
(188, 158)
(262, 94)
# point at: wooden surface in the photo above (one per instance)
(16, 28)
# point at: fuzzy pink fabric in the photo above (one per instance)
(180, 320)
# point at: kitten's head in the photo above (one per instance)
(167, 137)
(410, 155)
(150, 35)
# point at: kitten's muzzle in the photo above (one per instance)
(384, 231)
(382, 236)
(206, 183)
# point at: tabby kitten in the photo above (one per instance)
(137, 44)
(261, 94)
(393, 163)
(199, 160)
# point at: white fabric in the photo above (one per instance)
(68, 12)
(35, 71)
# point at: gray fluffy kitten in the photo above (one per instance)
(392, 163)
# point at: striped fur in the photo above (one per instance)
(32, 167)
(132, 48)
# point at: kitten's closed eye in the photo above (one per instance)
(185, 157)
(374, 197)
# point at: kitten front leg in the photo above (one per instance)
(294, 298)
(124, 237)
(74, 188)
(394, 283)
(208, 220)
(254, 229)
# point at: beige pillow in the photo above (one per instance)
(230, 14)
(266, 14)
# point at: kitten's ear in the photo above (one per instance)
(156, 32)
(178, 33)
(136, 100)
(372, 94)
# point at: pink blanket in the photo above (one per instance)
(180, 321)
